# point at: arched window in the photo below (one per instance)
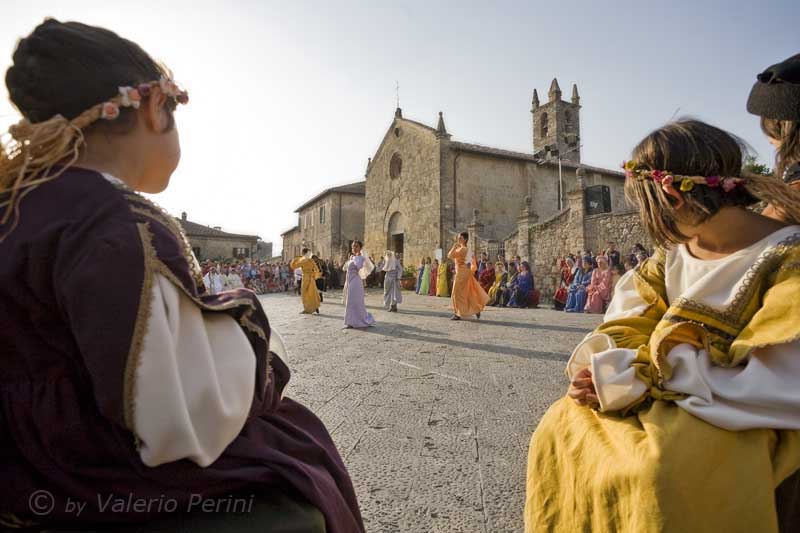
(395, 166)
(544, 125)
(568, 117)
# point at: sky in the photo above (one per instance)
(291, 97)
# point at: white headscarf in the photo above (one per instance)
(389, 261)
(366, 270)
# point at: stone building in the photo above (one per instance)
(212, 243)
(328, 223)
(422, 186)
(543, 241)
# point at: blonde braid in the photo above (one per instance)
(29, 153)
(774, 191)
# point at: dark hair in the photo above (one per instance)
(304, 251)
(526, 266)
(620, 269)
(64, 68)
(693, 148)
(465, 235)
(359, 243)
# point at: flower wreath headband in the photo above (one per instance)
(35, 149)
(667, 179)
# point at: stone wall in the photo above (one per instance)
(292, 242)
(543, 243)
(625, 229)
(217, 248)
(352, 220)
(414, 192)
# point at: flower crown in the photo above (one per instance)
(132, 96)
(667, 179)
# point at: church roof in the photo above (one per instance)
(359, 188)
(193, 229)
(508, 154)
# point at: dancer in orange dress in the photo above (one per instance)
(469, 298)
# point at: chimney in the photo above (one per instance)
(183, 215)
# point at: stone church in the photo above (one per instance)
(422, 186)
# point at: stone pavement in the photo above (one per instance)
(432, 417)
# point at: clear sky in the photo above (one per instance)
(291, 97)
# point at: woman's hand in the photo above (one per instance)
(582, 389)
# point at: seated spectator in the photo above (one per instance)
(576, 294)
(500, 279)
(486, 277)
(598, 293)
(504, 291)
(524, 294)
(560, 296)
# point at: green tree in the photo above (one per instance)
(752, 164)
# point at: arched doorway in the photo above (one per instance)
(395, 232)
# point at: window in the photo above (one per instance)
(196, 252)
(395, 166)
(544, 125)
(240, 253)
(322, 214)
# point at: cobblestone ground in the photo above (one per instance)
(432, 417)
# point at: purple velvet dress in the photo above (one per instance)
(355, 314)
(74, 281)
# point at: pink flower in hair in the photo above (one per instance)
(713, 181)
(144, 89)
(658, 175)
(728, 184)
(667, 180)
(110, 111)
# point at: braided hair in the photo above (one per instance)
(60, 72)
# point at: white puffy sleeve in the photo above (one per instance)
(194, 383)
(613, 376)
(625, 302)
(763, 393)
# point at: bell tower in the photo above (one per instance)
(556, 125)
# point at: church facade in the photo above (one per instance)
(422, 186)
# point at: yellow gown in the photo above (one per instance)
(498, 279)
(308, 287)
(442, 287)
(651, 466)
(468, 297)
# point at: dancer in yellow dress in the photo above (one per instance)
(682, 414)
(442, 284)
(308, 287)
(469, 298)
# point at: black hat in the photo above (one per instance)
(776, 94)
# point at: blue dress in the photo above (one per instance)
(576, 299)
(521, 294)
(419, 277)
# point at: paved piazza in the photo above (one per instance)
(432, 417)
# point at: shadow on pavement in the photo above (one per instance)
(401, 331)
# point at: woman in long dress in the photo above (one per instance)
(420, 270)
(500, 278)
(308, 284)
(434, 277)
(576, 298)
(358, 268)
(425, 286)
(468, 296)
(599, 290)
(393, 269)
(442, 282)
